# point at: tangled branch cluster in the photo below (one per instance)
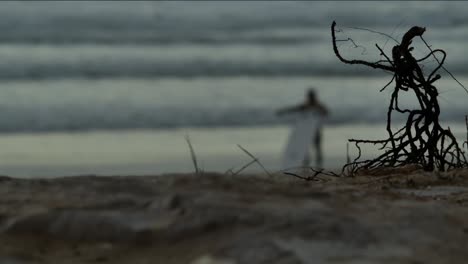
(422, 140)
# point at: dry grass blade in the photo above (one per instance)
(192, 154)
(466, 122)
(255, 159)
(243, 167)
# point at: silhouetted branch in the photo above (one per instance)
(422, 140)
(337, 53)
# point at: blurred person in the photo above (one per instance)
(307, 131)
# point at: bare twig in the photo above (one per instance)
(255, 159)
(393, 31)
(308, 178)
(376, 32)
(324, 172)
(337, 53)
(244, 167)
(364, 50)
(314, 177)
(447, 71)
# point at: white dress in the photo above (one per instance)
(300, 139)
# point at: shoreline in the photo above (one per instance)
(149, 152)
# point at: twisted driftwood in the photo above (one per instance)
(422, 140)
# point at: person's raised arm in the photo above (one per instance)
(288, 110)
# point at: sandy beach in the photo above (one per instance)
(153, 132)
(396, 216)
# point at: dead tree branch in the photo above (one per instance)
(422, 140)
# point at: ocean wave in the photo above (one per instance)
(167, 22)
(192, 69)
(69, 119)
(149, 38)
(175, 70)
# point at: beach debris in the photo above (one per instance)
(422, 140)
(312, 174)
